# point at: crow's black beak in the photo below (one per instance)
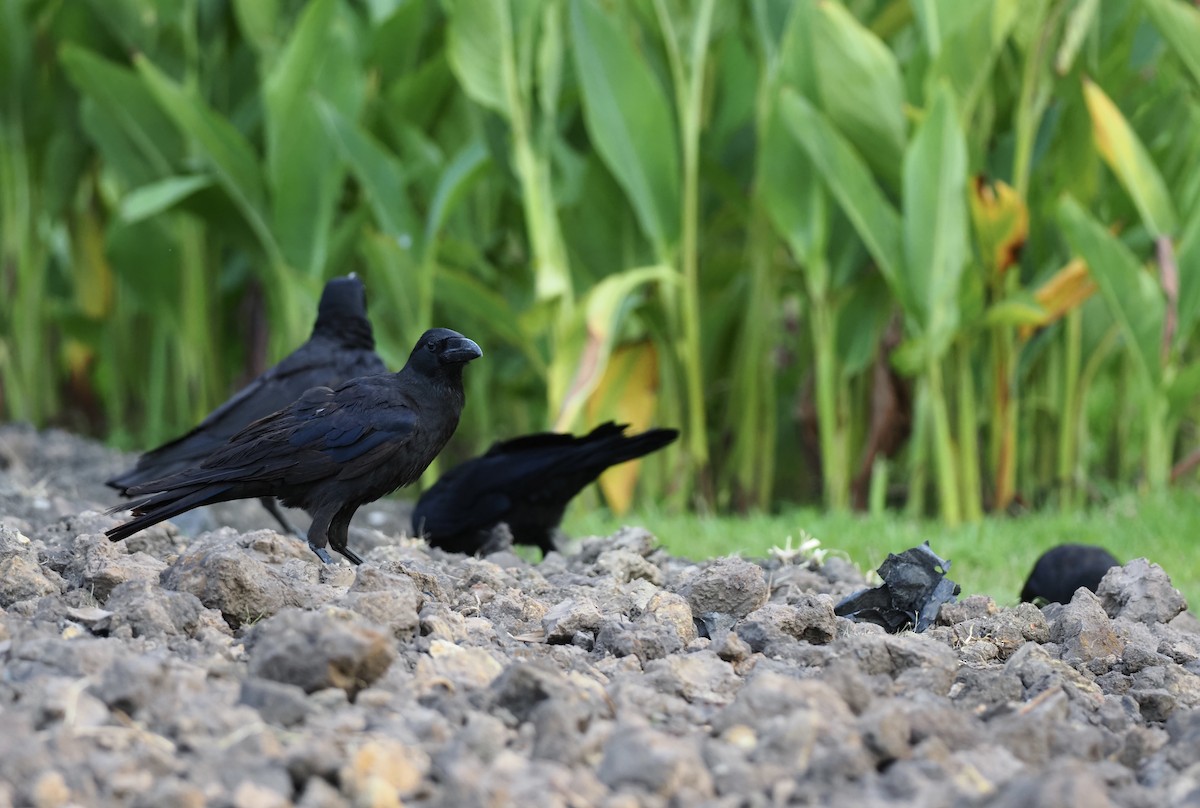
(459, 350)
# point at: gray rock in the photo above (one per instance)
(388, 600)
(22, 579)
(1084, 632)
(560, 709)
(567, 618)
(811, 620)
(278, 703)
(640, 760)
(315, 650)
(151, 611)
(234, 581)
(727, 586)
(1140, 591)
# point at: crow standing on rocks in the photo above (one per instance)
(330, 451)
(524, 483)
(341, 347)
(1063, 569)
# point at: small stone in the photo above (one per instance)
(315, 650)
(383, 769)
(653, 762)
(389, 600)
(1140, 591)
(570, 616)
(812, 621)
(22, 579)
(727, 586)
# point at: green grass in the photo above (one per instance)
(992, 557)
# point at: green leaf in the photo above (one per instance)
(303, 169)
(628, 117)
(1121, 148)
(1179, 23)
(1187, 258)
(120, 95)
(455, 180)
(152, 199)
(222, 146)
(793, 197)
(479, 43)
(258, 21)
(859, 86)
(969, 49)
(1133, 297)
(849, 180)
(380, 175)
(935, 223)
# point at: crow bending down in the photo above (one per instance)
(1063, 569)
(332, 450)
(525, 483)
(341, 347)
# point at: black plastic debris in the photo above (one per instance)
(913, 590)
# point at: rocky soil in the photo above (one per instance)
(233, 669)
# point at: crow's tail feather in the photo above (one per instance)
(158, 507)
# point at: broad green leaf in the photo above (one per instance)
(1187, 257)
(784, 176)
(222, 146)
(152, 199)
(1133, 297)
(1179, 23)
(793, 198)
(970, 48)
(123, 97)
(258, 21)
(303, 169)
(1183, 389)
(479, 40)
(629, 120)
(380, 175)
(849, 180)
(935, 222)
(1120, 147)
(455, 180)
(859, 86)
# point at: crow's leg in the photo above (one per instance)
(318, 532)
(339, 533)
(272, 506)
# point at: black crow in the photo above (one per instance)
(341, 347)
(330, 451)
(1062, 570)
(524, 483)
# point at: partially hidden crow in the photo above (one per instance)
(524, 483)
(1061, 570)
(341, 347)
(330, 451)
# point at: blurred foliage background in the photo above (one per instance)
(929, 253)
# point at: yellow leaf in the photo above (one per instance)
(1067, 289)
(1001, 221)
(1120, 147)
(628, 394)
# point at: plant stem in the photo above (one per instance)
(968, 438)
(831, 428)
(943, 447)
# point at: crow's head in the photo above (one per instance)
(440, 349)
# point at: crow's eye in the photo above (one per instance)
(431, 347)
